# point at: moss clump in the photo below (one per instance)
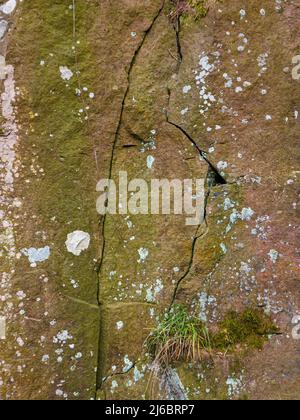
(186, 8)
(199, 8)
(250, 328)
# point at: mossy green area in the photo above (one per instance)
(195, 9)
(250, 328)
(181, 336)
(54, 118)
(199, 8)
(57, 179)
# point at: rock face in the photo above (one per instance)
(160, 90)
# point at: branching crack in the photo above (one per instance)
(135, 136)
(187, 271)
(219, 179)
(102, 222)
(131, 66)
(177, 27)
(116, 374)
(213, 178)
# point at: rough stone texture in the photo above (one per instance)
(92, 88)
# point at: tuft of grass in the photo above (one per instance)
(179, 337)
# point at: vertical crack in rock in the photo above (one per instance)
(169, 378)
(176, 26)
(188, 269)
(131, 66)
(213, 175)
(213, 178)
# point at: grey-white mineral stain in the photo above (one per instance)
(77, 242)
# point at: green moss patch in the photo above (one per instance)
(251, 328)
(196, 9)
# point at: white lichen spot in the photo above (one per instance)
(222, 165)
(114, 385)
(247, 214)
(20, 342)
(262, 61)
(205, 301)
(3, 28)
(158, 287)
(2, 328)
(36, 255)
(8, 7)
(234, 386)
(186, 89)
(228, 204)
(77, 242)
(150, 162)
(149, 295)
(274, 255)
(143, 253)
(127, 364)
(228, 79)
(120, 325)
(224, 248)
(137, 375)
(184, 111)
(245, 268)
(45, 358)
(59, 393)
(66, 73)
(243, 14)
(21, 295)
(62, 337)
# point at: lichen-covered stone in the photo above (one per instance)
(160, 89)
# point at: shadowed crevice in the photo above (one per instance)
(218, 178)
